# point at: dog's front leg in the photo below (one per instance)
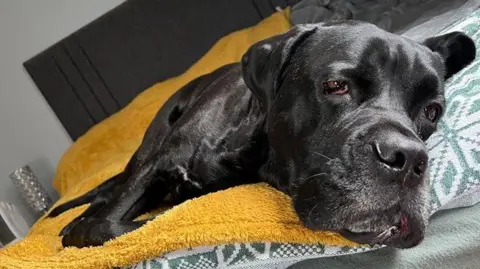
(110, 221)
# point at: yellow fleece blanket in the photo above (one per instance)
(257, 213)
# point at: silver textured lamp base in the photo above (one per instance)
(31, 189)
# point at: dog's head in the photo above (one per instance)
(349, 107)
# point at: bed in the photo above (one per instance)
(101, 68)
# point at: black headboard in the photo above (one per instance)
(100, 68)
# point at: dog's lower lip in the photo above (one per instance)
(359, 237)
(383, 237)
(403, 224)
(361, 233)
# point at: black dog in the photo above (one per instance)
(335, 115)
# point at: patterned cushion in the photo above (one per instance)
(454, 173)
(455, 148)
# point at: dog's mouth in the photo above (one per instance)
(393, 235)
(362, 207)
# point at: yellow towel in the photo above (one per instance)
(258, 212)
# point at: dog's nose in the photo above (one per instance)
(406, 157)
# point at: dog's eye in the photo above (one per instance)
(432, 112)
(335, 87)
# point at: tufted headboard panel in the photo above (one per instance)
(100, 68)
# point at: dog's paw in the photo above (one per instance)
(73, 235)
(76, 234)
(70, 241)
(70, 226)
(89, 232)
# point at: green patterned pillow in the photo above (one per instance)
(454, 176)
(455, 148)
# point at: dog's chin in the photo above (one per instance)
(398, 222)
(405, 232)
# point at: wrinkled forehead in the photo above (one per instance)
(371, 51)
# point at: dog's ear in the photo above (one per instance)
(457, 49)
(264, 63)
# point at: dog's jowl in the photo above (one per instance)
(335, 115)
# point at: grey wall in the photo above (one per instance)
(30, 133)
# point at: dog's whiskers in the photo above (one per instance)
(321, 155)
(307, 178)
(311, 211)
(315, 175)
